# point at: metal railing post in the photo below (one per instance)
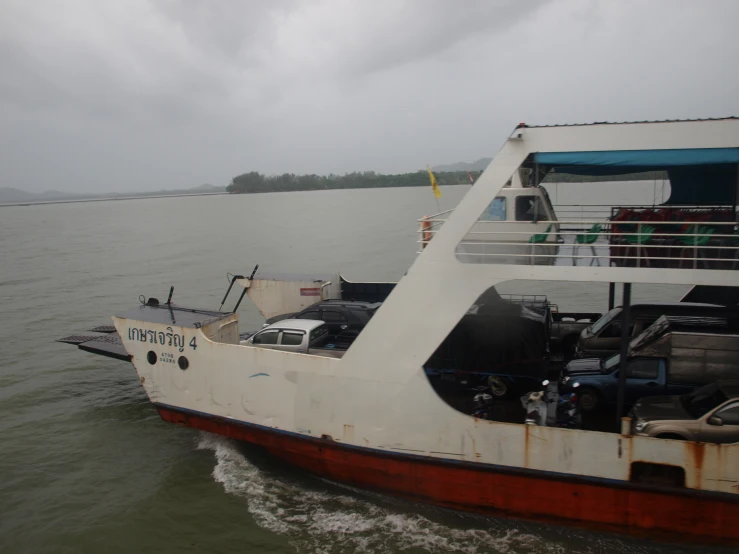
(695, 247)
(625, 336)
(611, 295)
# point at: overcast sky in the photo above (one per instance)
(110, 95)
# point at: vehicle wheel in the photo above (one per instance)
(589, 399)
(499, 387)
(671, 436)
(569, 347)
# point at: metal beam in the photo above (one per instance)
(625, 336)
(611, 295)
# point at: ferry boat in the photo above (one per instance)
(372, 419)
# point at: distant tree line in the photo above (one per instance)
(256, 182)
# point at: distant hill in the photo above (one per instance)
(207, 188)
(17, 196)
(479, 165)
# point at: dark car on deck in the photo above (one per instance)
(343, 317)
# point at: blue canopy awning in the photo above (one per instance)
(698, 176)
(651, 159)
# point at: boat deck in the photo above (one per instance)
(108, 343)
(169, 314)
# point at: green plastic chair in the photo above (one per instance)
(695, 236)
(538, 239)
(642, 236)
(587, 238)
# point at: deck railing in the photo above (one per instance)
(614, 240)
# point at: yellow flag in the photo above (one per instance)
(434, 184)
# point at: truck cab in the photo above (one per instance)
(672, 356)
(603, 338)
(299, 336)
(518, 226)
(598, 380)
(708, 414)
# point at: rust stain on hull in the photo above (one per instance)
(696, 455)
(348, 435)
(672, 515)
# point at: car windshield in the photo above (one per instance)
(703, 400)
(595, 328)
(612, 362)
(318, 333)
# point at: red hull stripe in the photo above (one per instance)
(672, 514)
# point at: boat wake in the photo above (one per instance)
(335, 519)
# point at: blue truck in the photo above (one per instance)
(673, 356)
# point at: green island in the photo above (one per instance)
(288, 182)
(254, 182)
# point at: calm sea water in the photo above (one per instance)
(87, 466)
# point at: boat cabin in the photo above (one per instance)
(694, 228)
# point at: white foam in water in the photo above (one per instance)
(325, 522)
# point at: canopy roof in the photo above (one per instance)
(698, 176)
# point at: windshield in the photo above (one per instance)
(612, 362)
(703, 400)
(318, 333)
(595, 328)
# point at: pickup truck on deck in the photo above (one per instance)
(305, 336)
(566, 330)
(344, 318)
(671, 357)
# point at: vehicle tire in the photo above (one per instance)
(671, 436)
(499, 387)
(589, 399)
(569, 347)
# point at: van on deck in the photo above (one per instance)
(603, 338)
(673, 356)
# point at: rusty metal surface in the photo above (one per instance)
(378, 397)
(107, 345)
(173, 315)
(630, 508)
(77, 339)
(289, 295)
(103, 329)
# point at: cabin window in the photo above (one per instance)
(530, 208)
(730, 415)
(318, 332)
(643, 369)
(614, 330)
(496, 211)
(313, 314)
(266, 337)
(292, 338)
(333, 317)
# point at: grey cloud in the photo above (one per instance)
(150, 94)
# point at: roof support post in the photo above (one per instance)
(611, 295)
(625, 332)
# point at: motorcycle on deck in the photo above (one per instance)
(548, 408)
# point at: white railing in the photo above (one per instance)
(429, 225)
(589, 241)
